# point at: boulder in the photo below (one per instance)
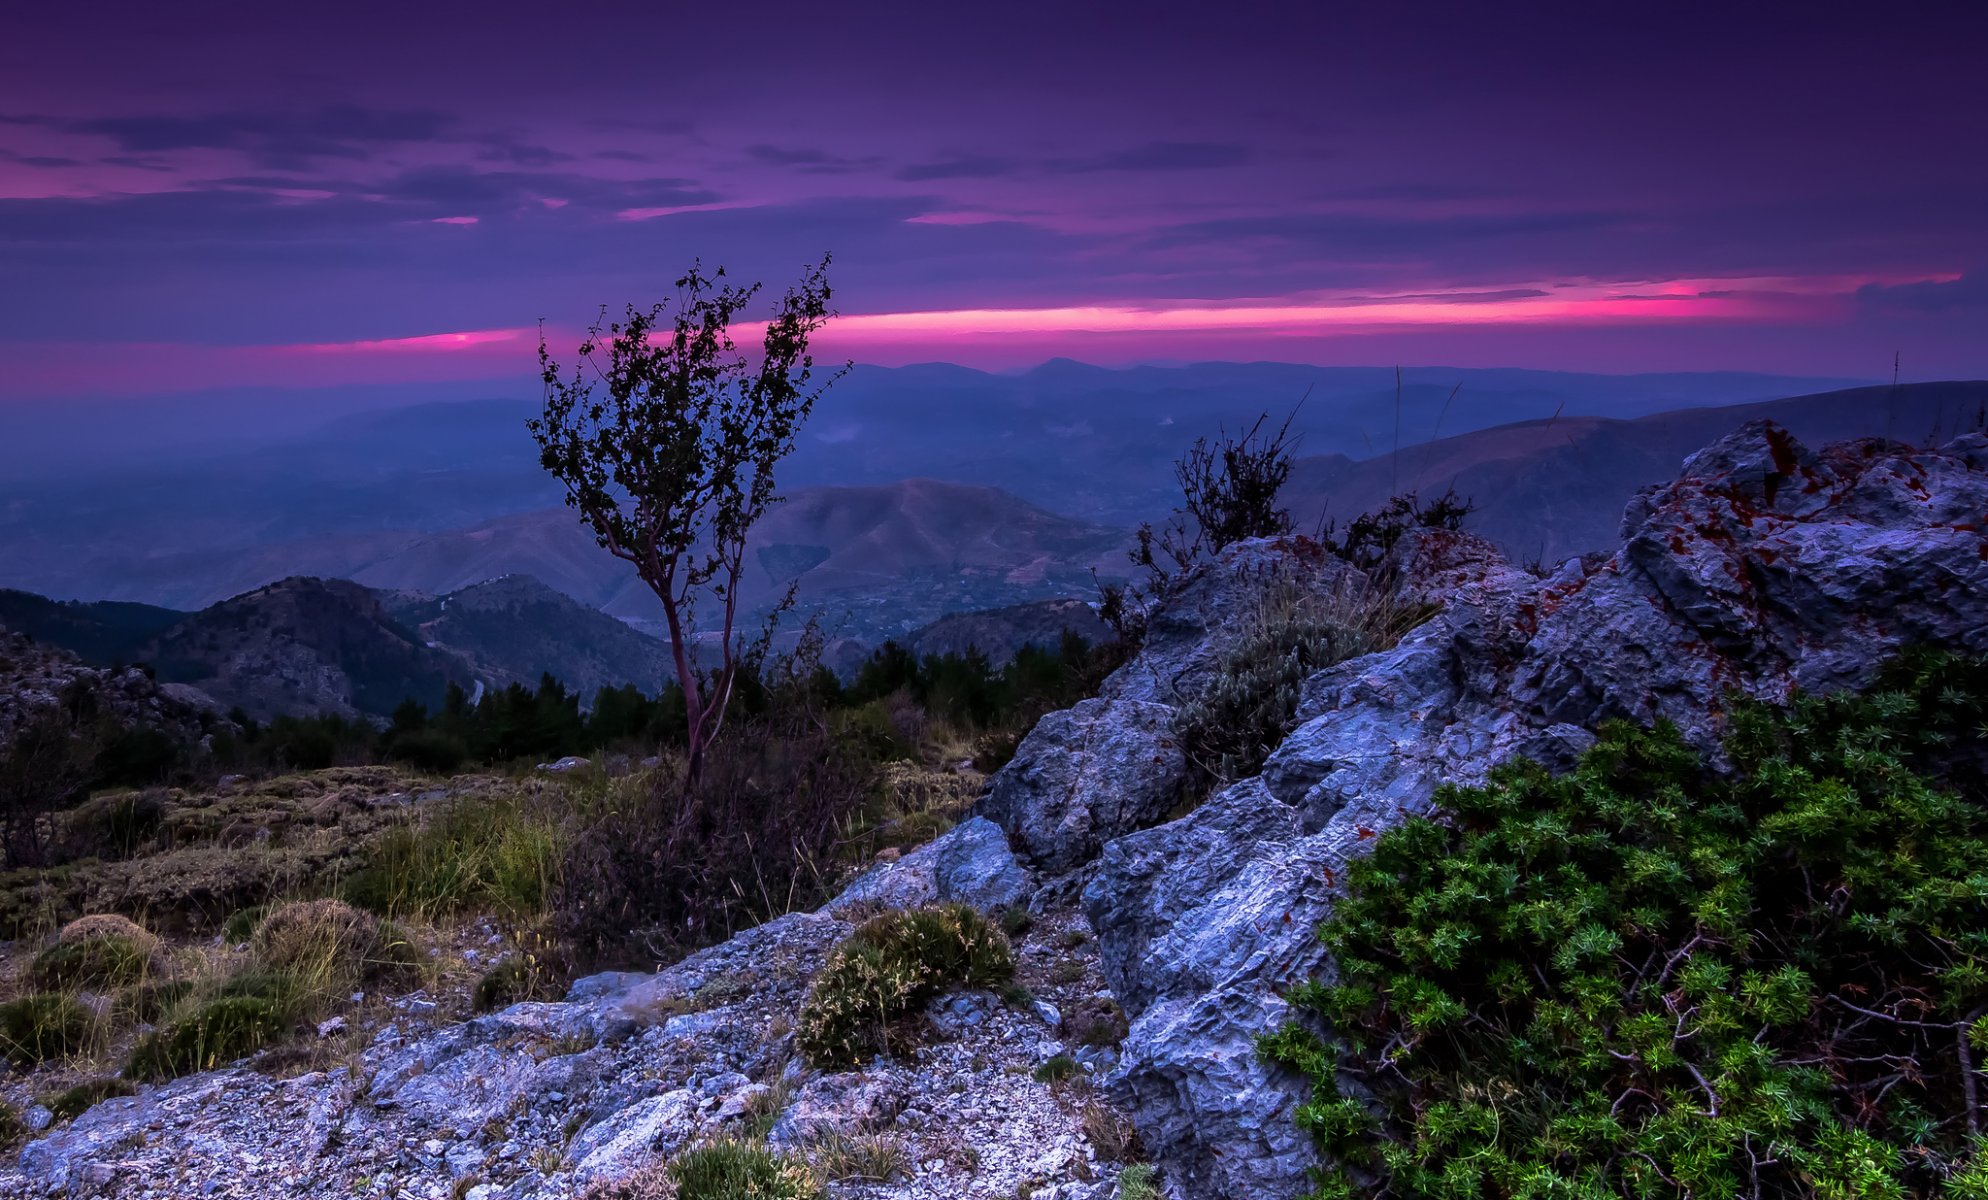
(969, 864)
(1085, 775)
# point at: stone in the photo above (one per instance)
(970, 863)
(624, 1139)
(1084, 775)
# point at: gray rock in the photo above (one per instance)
(969, 863)
(626, 1138)
(972, 864)
(845, 1103)
(1765, 568)
(1085, 775)
(607, 983)
(957, 1012)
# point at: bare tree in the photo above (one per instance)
(666, 437)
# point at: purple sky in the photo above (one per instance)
(209, 195)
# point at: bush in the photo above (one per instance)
(13, 1130)
(1138, 1182)
(741, 1171)
(108, 925)
(1229, 727)
(1058, 1069)
(92, 964)
(328, 944)
(73, 1102)
(520, 977)
(44, 1025)
(890, 966)
(113, 826)
(152, 999)
(428, 750)
(678, 866)
(488, 852)
(1642, 979)
(213, 1034)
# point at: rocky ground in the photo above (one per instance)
(544, 1099)
(1766, 567)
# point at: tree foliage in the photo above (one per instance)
(1645, 979)
(666, 437)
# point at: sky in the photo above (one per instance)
(208, 196)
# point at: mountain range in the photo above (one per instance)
(517, 586)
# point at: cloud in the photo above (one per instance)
(1147, 156)
(271, 139)
(963, 166)
(1969, 290)
(1157, 156)
(810, 161)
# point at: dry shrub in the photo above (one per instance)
(861, 1158)
(329, 940)
(650, 1181)
(675, 867)
(108, 925)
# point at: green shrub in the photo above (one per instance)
(92, 964)
(428, 750)
(240, 926)
(44, 1025)
(742, 1171)
(151, 999)
(1138, 1182)
(1643, 979)
(73, 1102)
(13, 1130)
(1058, 1069)
(890, 966)
(213, 1034)
(114, 825)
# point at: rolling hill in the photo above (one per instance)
(1545, 490)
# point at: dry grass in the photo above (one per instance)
(862, 1158)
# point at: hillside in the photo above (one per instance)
(883, 559)
(304, 645)
(102, 633)
(1151, 1038)
(1545, 490)
(515, 629)
(998, 633)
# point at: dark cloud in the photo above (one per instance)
(38, 160)
(1157, 156)
(502, 148)
(1970, 291)
(270, 138)
(963, 166)
(812, 162)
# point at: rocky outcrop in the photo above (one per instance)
(37, 680)
(1111, 765)
(1763, 569)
